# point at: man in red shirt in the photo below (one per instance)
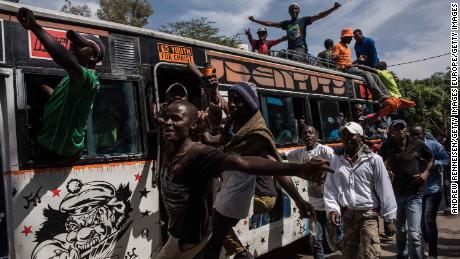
(262, 45)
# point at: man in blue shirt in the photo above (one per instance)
(432, 191)
(365, 50)
(296, 28)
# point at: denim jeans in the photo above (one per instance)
(446, 184)
(321, 225)
(429, 227)
(373, 83)
(321, 221)
(410, 212)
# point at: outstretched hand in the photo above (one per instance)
(247, 31)
(315, 170)
(337, 5)
(251, 18)
(26, 18)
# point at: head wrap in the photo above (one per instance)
(248, 91)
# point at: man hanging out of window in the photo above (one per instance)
(62, 136)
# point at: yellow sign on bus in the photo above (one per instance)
(174, 53)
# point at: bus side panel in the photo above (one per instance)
(91, 211)
(27, 51)
(232, 68)
(289, 228)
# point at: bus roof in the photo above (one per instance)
(11, 8)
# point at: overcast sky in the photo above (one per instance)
(403, 30)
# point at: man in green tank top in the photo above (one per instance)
(62, 136)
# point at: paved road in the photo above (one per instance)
(448, 243)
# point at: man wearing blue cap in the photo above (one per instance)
(62, 136)
(410, 160)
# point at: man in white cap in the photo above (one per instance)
(359, 190)
(296, 27)
(262, 45)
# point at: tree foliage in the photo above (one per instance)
(432, 96)
(201, 29)
(130, 12)
(82, 10)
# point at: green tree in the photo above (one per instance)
(201, 29)
(82, 10)
(130, 12)
(432, 96)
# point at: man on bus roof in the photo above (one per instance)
(262, 45)
(365, 49)
(296, 27)
(62, 136)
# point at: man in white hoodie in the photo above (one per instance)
(359, 190)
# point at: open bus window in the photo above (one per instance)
(326, 118)
(168, 75)
(278, 113)
(112, 124)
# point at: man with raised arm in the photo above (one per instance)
(296, 27)
(186, 181)
(262, 45)
(62, 136)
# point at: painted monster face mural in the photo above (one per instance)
(90, 220)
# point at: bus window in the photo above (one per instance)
(345, 113)
(168, 75)
(279, 115)
(112, 127)
(326, 118)
(112, 124)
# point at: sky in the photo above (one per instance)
(404, 30)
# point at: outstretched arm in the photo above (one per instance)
(316, 170)
(306, 210)
(250, 39)
(59, 53)
(265, 23)
(325, 13)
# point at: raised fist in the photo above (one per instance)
(26, 18)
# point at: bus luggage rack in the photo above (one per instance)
(303, 58)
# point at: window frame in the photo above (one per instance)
(138, 92)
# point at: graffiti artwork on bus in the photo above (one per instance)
(90, 220)
(230, 68)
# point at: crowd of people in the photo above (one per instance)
(349, 189)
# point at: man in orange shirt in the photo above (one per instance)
(342, 57)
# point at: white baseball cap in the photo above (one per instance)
(353, 128)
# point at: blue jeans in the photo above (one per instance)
(321, 229)
(429, 228)
(321, 221)
(410, 212)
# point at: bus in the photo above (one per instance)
(106, 205)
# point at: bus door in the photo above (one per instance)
(7, 156)
(164, 75)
